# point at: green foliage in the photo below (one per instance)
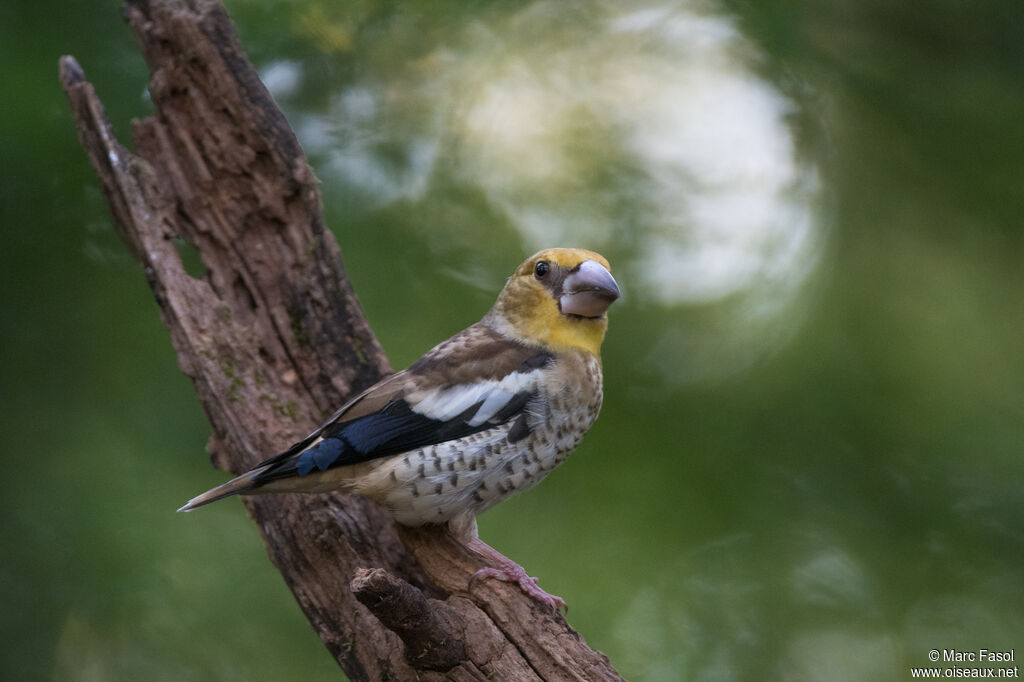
(817, 470)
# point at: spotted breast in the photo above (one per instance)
(561, 398)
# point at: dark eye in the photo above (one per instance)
(541, 269)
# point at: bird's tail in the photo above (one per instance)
(238, 485)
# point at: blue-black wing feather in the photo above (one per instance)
(387, 424)
(394, 429)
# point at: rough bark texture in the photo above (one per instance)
(273, 338)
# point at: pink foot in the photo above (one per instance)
(514, 573)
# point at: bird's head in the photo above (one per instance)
(557, 299)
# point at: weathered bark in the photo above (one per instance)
(273, 338)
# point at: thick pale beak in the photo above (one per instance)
(588, 290)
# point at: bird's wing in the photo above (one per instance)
(474, 381)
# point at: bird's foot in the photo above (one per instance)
(503, 568)
(514, 573)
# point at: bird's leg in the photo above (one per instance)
(509, 571)
(464, 528)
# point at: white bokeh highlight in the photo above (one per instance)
(641, 130)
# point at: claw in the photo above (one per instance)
(514, 573)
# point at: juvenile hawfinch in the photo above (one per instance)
(485, 414)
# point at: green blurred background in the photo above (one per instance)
(809, 461)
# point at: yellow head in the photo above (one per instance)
(557, 299)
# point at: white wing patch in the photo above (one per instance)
(445, 404)
(496, 399)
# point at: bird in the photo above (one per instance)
(485, 414)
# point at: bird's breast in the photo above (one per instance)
(436, 483)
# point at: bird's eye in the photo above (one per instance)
(541, 269)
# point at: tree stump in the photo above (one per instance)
(274, 340)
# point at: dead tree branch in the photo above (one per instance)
(273, 338)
